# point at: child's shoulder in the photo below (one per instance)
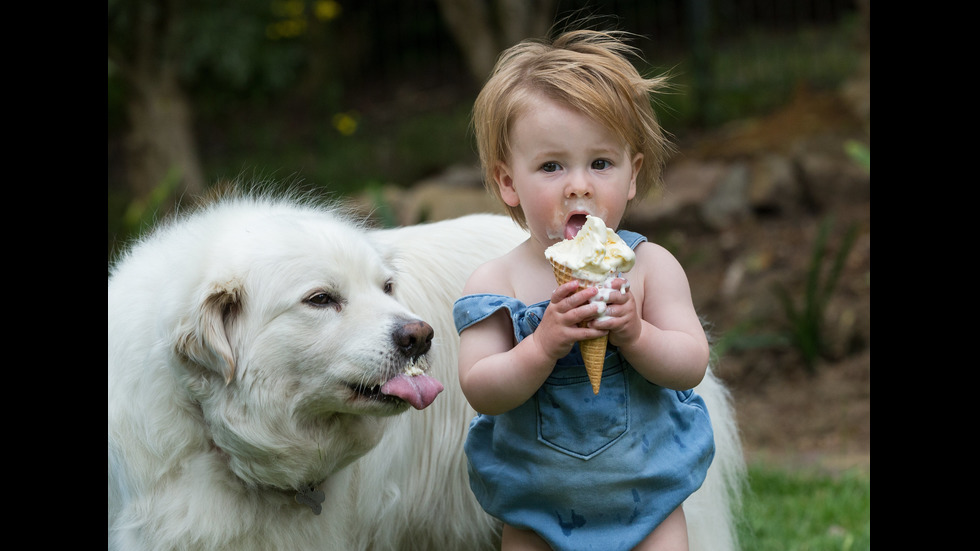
(655, 262)
(651, 255)
(492, 277)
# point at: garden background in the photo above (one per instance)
(767, 202)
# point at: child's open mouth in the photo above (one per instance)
(573, 225)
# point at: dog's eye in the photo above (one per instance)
(389, 287)
(323, 299)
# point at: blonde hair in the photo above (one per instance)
(588, 71)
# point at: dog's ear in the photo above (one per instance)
(203, 337)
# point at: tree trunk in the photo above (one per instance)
(162, 163)
(160, 153)
(482, 34)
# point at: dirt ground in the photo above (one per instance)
(788, 416)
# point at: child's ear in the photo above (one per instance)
(505, 183)
(637, 163)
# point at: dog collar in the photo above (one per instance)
(308, 495)
(311, 497)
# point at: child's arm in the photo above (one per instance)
(497, 376)
(662, 338)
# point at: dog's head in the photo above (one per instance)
(296, 348)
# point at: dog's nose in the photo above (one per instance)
(414, 338)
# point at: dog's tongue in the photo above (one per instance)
(418, 390)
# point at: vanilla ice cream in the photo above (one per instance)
(594, 257)
(595, 254)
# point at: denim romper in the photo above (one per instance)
(585, 471)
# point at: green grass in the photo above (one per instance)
(802, 511)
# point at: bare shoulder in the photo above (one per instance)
(652, 256)
(492, 277)
(666, 299)
(659, 269)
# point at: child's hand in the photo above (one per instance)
(621, 317)
(559, 329)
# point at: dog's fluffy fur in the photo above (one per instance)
(247, 342)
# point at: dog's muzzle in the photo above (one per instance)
(413, 338)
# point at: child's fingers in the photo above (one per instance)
(620, 294)
(621, 284)
(570, 293)
(564, 291)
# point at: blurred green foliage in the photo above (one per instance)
(802, 325)
(805, 318)
(861, 153)
(321, 90)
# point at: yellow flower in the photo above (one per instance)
(345, 123)
(325, 10)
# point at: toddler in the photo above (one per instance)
(565, 129)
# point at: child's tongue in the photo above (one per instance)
(573, 225)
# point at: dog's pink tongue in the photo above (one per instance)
(418, 390)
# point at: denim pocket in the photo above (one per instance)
(577, 422)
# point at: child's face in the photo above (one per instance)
(563, 165)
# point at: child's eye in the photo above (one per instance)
(550, 167)
(600, 164)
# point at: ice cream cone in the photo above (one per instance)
(593, 350)
(594, 354)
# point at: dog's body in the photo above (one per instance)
(259, 361)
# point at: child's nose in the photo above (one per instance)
(579, 185)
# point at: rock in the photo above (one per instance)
(687, 185)
(787, 164)
(455, 192)
(728, 203)
(773, 185)
(828, 176)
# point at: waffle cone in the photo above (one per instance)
(593, 350)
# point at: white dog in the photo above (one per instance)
(264, 356)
